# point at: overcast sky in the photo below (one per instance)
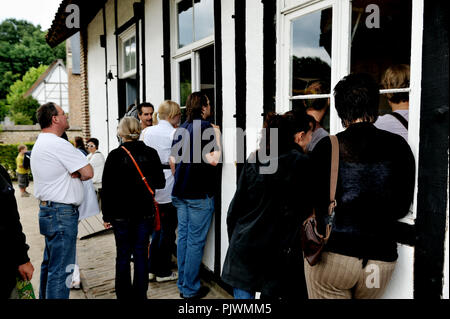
(35, 11)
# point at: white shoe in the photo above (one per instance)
(75, 285)
(151, 277)
(172, 276)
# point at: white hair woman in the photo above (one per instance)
(159, 137)
(128, 206)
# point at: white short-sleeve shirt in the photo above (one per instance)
(160, 138)
(53, 159)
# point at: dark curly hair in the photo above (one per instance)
(357, 96)
(287, 124)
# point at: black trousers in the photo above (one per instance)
(163, 242)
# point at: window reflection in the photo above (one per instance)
(185, 81)
(374, 50)
(207, 75)
(195, 20)
(129, 47)
(203, 18)
(311, 50)
(185, 23)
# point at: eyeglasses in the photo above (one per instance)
(90, 145)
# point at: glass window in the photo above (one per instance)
(203, 19)
(311, 60)
(195, 20)
(185, 81)
(129, 56)
(185, 23)
(207, 74)
(381, 38)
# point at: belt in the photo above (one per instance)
(165, 166)
(48, 203)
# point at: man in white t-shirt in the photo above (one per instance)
(58, 169)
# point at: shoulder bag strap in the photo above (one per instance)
(400, 118)
(333, 183)
(139, 170)
(157, 213)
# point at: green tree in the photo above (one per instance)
(20, 87)
(22, 46)
(22, 109)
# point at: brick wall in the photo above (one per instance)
(85, 120)
(28, 133)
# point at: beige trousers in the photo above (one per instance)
(342, 277)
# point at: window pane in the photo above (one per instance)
(203, 19)
(185, 81)
(126, 55)
(311, 52)
(207, 75)
(381, 37)
(133, 53)
(185, 23)
(316, 104)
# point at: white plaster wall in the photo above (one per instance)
(54, 89)
(96, 82)
(113, 105)
(229, 122)
(124, 11)
(254, 49)
(153, 52)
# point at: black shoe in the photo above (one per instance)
(202, 292)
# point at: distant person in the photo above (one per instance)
(79, 144)
(317, 108)
(160, 137)
(22, 171)
(396, 77)
(97, 160)
(132, 111)
(58, 169)
(375, 188)
(266, 212)
(15, 260)
(145, 114)
(128, 206)
(193, 190)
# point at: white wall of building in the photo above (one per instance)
(54, 88)
(113, 105)
(154, 50)
(229, 122)
(96, 82)
(254, 50)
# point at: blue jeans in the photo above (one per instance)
(163, 242)
(59, 224)
(194, 219)
(132, 237)
(243, 294)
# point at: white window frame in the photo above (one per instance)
(340, 63)
(123, 37)
(189, 51)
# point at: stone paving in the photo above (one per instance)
(96, 259)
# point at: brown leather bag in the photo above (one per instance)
(312, 241)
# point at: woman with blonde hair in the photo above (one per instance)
(128, 206)
(159, 136)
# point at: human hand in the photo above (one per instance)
(26, 271)
(107, 225)
(75, 175)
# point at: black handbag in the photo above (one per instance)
(312, 241)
